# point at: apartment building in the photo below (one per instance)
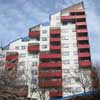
(63, 52)
(55, 57)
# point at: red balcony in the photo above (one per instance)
(54, 39)
(93, 74)
(34, 34)
(95, 83)
(81, 30)
(50, 56)
(55, 94)
(11, 57)
(50, 74)
(33, 48)
(83, 46)
(79, 16)
(55, 31)
(80, 23)
(51, 83)
(70, 17)
(55, 47)
(10, 66)
(86, 54)
(67, 17)
(85, 64)
(83, 38)
(51, 65)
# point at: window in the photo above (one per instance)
(74, 52)
(22, 63)
(22, 54)
(66, 70)
(57, 17)
(44, 31)
(65, 45)
(44, 46)
(34, 63)
(17, 47)
(74, 45)
(65, 38)
(44, 38)
(66, 62)
(23, 47)
(35, 56)
(66, 53)
(75, 61)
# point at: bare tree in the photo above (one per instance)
(9, 84)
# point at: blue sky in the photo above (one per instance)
(16, 16)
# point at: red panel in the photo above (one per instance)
(45, 56)
(55, 47)
(55, 94)
(34, 34)
(50, 65)
(33, 48)
(83, 46)
(55, 31)
(72, 17)
(50, 74)
(85, 63)
(10, 66)
(67, 17)
(81, 23)
(95, 83)
(11, 57)
(87, 54)
(79, 16)
(83, 38)
(50, 84)
(81, 30)
(55, 39)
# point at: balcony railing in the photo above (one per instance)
(33, 48)
(86, 54)
(10, 66)
(55, 94)
(55, 47)
(54, 39)
(34, 34)
(72, 17)
(50, 65)
(80, 23)
(50, 74)
(50, 56)
(83, 38)
(48, 84)
(11, 57)
(85, 64)
(81, 30)
(67, 17)
(83, 46)
(55, 31)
